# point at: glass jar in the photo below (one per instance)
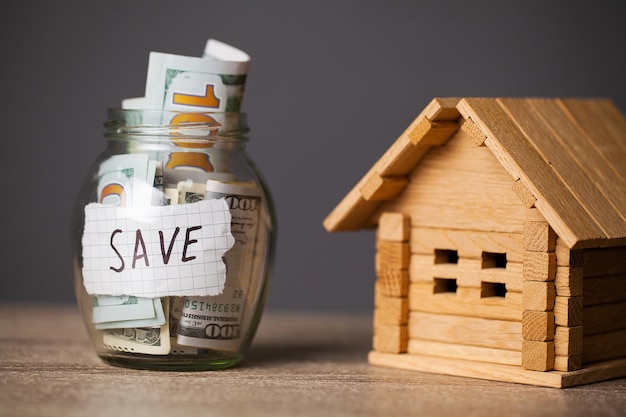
(173, 240)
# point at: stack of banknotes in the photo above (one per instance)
(183, 324)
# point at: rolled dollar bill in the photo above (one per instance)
(215, 322)
(212, 83)
(228, 63)
(128, 180)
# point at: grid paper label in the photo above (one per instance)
(156, 251)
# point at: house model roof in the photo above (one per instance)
(566, 157)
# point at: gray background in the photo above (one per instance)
(331, 86)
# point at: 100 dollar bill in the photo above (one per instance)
(216, 322)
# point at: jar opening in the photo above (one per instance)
(184, 126)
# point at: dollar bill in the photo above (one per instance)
(148, 340)
(122, 181)
(127, 180)
(216, 322)
(212, 83)
(175, 309)
(230, 63)
(190, 192)
(145, 312)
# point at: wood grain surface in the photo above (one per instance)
(299, 365)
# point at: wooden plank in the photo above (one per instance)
(391, 255)
(601, 164)
(568, 341)
(569, 281)
(471, 353)
(402, 156)
(468, 243)
(568, 311)
(467, 368)
(380, 188)
(568, 363)
(538, 356)
(604, 318)
(538, 325)
(389, 310)
(509, 144)
(422, 299)
(604, 290)
(442, 108)
(392, 311)
(567, 257)
(538, 295)
(605, 261)
(496, 372)
(467, 272)
(390, 338)
(393, 282)
(394, 227)
(353, 212)
(539, 237)
(511, 277)
(539, 266)
(604, 346)
(523, 193)
(605, 125)
(498, 334)
(568, 166)
(432, 133)
(473, 132)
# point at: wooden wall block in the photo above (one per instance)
(568, 341)
(392, 255)
(538, 325)
(379, 188)
(568, 311)
(538, 295)
(464, 352)
(569, 281)
(390, 338)
(539, 237)
(539, 266)
(604, 318)
(390, 310)
(474, 132)
(393, 282)
(394, 227)
(432, 133)
(523, 193)
(604, 290)
(538, 356)
(567, 257)
(568, 363)
(605, 261)
(497, 334)
(604, 346)
(467, 243)
(423, 299)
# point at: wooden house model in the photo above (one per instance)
(500, 241)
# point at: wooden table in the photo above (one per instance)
(299, 365)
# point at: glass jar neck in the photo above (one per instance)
(180, 129)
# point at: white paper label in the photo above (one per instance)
(156, 251)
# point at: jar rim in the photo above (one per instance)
(182, 124)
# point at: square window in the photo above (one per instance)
(446, 256)
(492, 289)
(494, 260)
(445, 285)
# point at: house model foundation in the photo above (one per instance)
(500, 241)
